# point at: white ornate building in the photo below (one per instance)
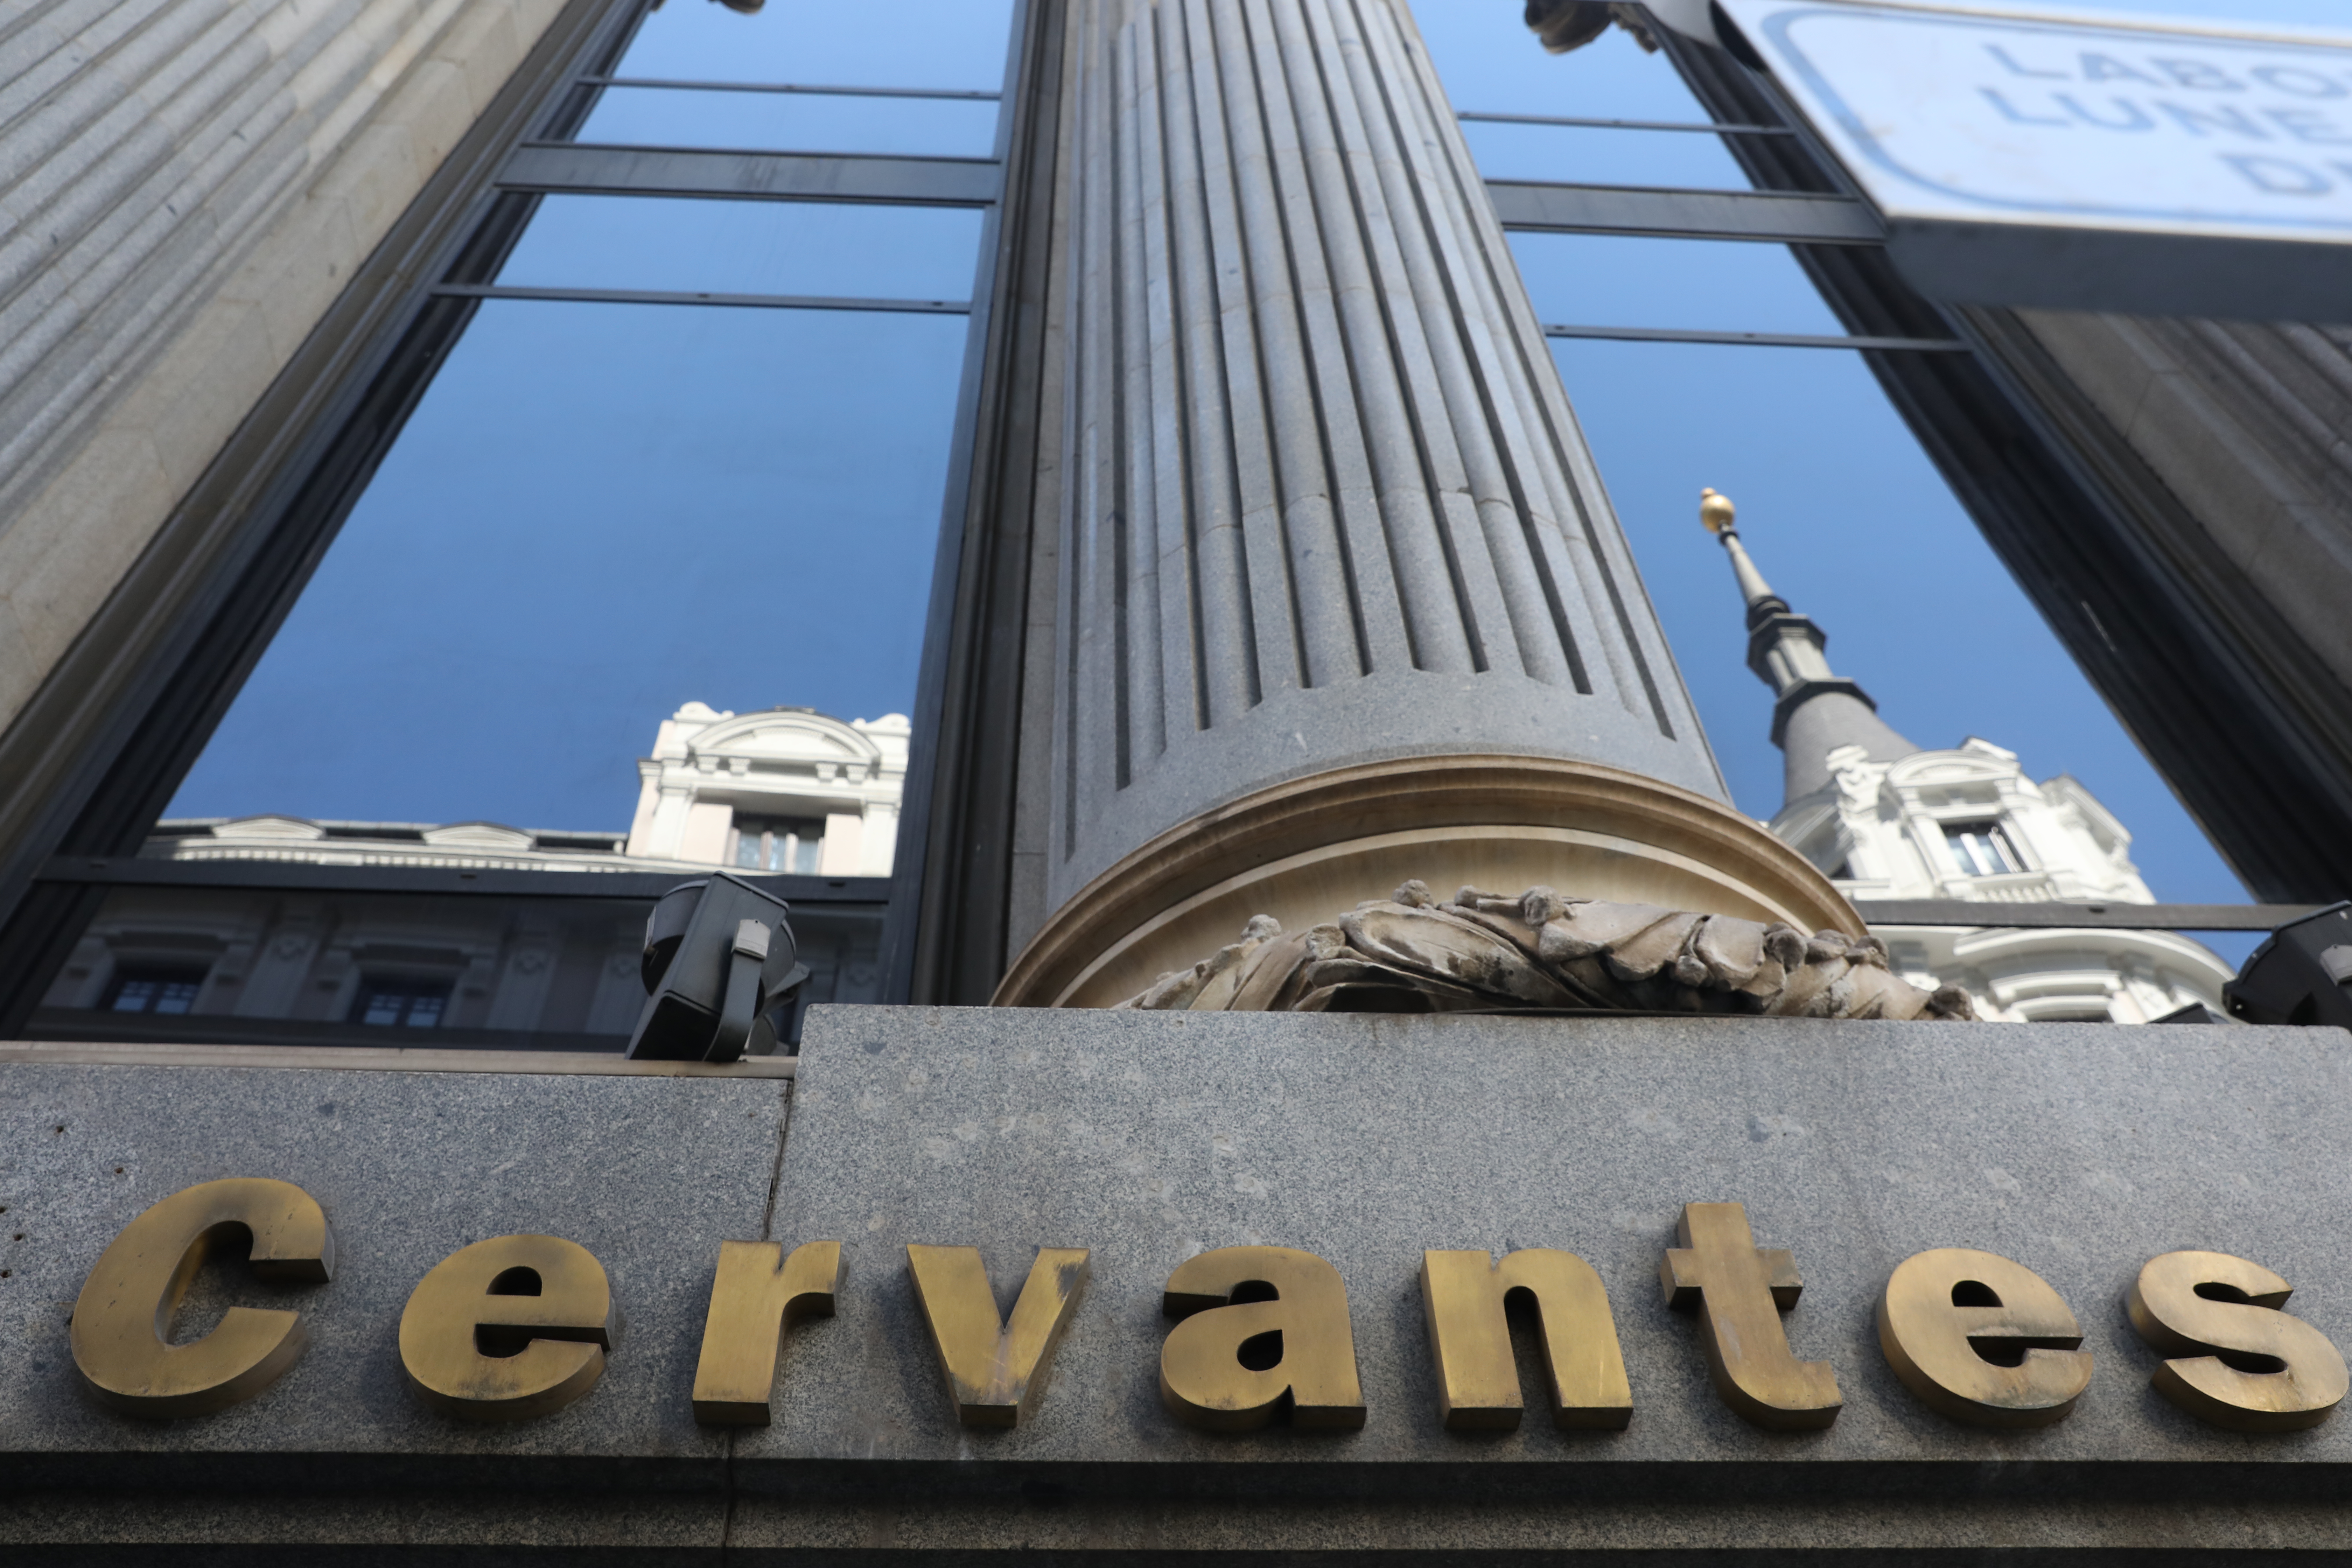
(786, 790)
(1889, 819)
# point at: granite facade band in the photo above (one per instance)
(1327, 500)
(186, 187)
(2077, 1150)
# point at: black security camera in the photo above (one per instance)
(720, 973)
(2300, 974)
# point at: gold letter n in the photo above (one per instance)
(1463, 1295)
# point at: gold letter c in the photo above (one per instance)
(124, 1313)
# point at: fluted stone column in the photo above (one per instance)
(1325, 505)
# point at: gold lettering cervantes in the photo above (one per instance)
(2241, 1362)
(1982, 1340)
(1262, 1325)
(996, 1369)
(1464, 1296)
(520, 1326)
(127, 1304)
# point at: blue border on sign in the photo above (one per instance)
(1778, 26)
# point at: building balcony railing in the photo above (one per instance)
(2008, 887)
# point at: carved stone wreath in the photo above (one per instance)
(1490, 952)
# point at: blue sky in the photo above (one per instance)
(602, 511)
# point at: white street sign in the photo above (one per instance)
(2095, 163)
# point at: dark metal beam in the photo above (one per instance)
(982, 95)
(1537, 208)
(2080, 917)
(680, 297)
(1761, 340)
(1481, 117)
(960, 792)
(780, 176)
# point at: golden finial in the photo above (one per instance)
(1714, 510)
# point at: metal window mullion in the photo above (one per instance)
(938, 94)
(902, 916)
(691, 297)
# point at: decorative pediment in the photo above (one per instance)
(785, 735)
(1923, 768)
(291, 830)
(479, 835)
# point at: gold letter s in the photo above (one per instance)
(2218, 1312)
(126, 1306)
(997, 1370)
(1207, 1376)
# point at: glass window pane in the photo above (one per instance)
(907, 43)
(790, 122)
(748, 247)
(1614, 281)
(1589, 155)
(1851, 524)
(598, 514)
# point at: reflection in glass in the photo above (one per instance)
(790, 122)
(906, 43)
(1617, 280)
(1593, 155)
(406, 1001)
(681, 245)
(599, 513)
(153, 990)
(281, 967)
(787, 844)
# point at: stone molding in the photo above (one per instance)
(1299, 850)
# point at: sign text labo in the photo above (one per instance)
(2091, 163)
(515, 1327)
